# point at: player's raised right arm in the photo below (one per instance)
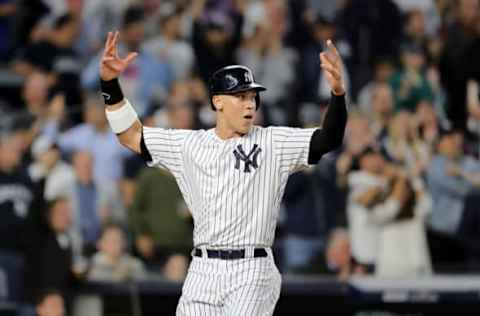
(120, 114)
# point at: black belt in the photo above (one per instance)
(230, 254)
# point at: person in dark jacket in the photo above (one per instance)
(215, 38)
(16, 196)
(49, 252)
(469, 230)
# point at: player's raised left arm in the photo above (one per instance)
(330, 136)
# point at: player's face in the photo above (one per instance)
(239, 110)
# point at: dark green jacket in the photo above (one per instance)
(158, 210)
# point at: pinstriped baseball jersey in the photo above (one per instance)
(232, 187)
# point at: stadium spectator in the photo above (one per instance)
(272, 62)
(304, 228)
(459, 61)
(429, 124)
(379, 110)
(429, 11)
(146, 79)
(41, 111)
(168, 46)
(366, 207)
(215, 38)
(410, 84)
(314, 86)
(338, 257)
(55, 56)
(95, 137)
(93, 202)
(382, 72)
(358, 136)
(403, 250)
(450, 177)
(469, 231)
(403, 146)
(35, 93)
(16, 197)
(49, 166)
(414, 32)
(112, 262)
(373, 30)
(102, 16)
(204, 116)
(49, 258)
(86, 43)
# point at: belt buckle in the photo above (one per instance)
(228, 254)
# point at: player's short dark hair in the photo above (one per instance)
(43, 294)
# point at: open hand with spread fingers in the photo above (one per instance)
(111, 65)
(331, 63)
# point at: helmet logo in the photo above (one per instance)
(231, 81)
(248, 77)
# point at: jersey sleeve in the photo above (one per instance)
(165, 147)
(292, 147)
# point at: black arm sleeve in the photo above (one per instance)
(144, 153)
(330, 136)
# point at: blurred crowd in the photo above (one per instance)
(399, 199)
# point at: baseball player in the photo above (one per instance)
(232, 178)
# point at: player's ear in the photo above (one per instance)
(217, 102)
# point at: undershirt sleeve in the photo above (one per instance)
(330, 137)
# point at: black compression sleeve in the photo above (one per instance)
(144, 153)
(330, 136)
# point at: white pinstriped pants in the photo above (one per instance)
(249, 286)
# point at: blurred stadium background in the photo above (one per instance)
(389, 224)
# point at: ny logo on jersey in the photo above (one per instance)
(249, 160)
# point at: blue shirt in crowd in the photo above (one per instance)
(448, 192)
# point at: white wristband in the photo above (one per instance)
(120, 120)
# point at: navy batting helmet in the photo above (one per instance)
(233, 79)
